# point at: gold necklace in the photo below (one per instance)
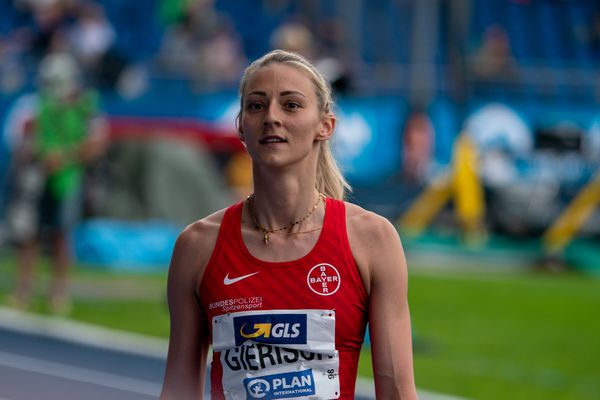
(265, 231)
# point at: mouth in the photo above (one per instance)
(272, 139)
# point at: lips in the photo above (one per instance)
(272, 139)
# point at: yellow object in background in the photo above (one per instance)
(463, 185)
(558, 236)
(469, 201)
(239, 174)
(422, 211)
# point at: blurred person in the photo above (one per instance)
(92, 40)
(296, 37)
(221, 58)
(196, 31)
(52, 160)
(494, 59)
(293, 267)
(49, 19)
(417, 147)
(178, 51)
(91, 36)
(335, 58)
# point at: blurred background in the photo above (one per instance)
(473, 125)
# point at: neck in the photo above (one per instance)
(280, 204)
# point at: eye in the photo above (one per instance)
(254, 106)
(292, 105)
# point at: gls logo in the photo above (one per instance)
(271, 328)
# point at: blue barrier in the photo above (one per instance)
(125, 246)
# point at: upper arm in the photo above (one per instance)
(189, 336)
(381, 258)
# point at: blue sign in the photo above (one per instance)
(281, 386)
(271, 328)
(367, 141)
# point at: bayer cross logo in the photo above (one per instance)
(323, 279)
(258, 388)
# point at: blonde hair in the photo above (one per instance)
(330, 180)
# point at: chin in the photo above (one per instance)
(277, 161)
(273, 162)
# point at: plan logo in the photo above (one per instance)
(281, 386)
(270, 328)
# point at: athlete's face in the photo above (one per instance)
(281, 123)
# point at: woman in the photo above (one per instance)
(283, 284)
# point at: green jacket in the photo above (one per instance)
(62, 128)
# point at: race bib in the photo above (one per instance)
(278, 354)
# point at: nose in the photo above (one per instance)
(272, 116)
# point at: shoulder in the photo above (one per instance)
(368, 225)
(374, 243)
(203, 227)
(195, 245)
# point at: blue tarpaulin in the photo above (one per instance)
(124, 245)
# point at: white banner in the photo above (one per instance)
(312, 330)
(278, 354)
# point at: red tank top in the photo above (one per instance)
(289, 329)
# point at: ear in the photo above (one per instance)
(326, 127)
(238, 125)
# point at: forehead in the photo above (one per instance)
(278, 78)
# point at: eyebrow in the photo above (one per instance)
(284, 93)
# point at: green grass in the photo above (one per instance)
(481, 336)
(517, 337)
(145, 317)
(146, 314)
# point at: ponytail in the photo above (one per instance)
(330, 180)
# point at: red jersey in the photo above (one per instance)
(289, 329)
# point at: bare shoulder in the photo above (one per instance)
(373, 241)
(367, 225)
(194, 246)
(203, 233)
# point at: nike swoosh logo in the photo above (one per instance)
(228, 281)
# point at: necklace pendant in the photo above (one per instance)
(266, 238)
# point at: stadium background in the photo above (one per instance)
(500, 308)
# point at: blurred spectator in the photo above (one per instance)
(221, 59)
(178, 50)
(295, 36)
(417, 147)
(92, 41)
(202, 46)
(333, 61)
(49, 175)
(91, 36)
(494, 60)
(50, 19)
